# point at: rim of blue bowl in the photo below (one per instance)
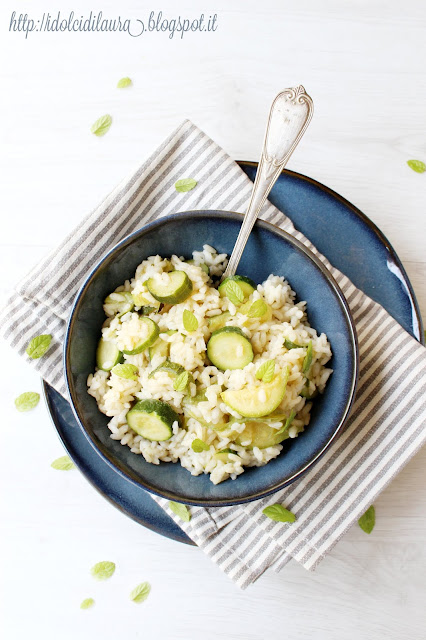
(132, 476)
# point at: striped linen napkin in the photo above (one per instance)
(387, 422)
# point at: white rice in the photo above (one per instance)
(115, 395)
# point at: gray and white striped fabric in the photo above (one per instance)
(388, 420)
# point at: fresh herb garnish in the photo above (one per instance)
(141, 592)
(368, 520)
(190, 322)
(102, 125)
(124, 82)
(64, 463)
(198, 446)
(257, 309)
(87, 603)
(308, 358)
(27, 401)
(103, 570)
(266, 371)
(126, 371)
(417, 165)
(181, 381)
(291, 345)
(180, 510)
(186, 184)
(38, 346)
(287, 423)
(233, 292)
(279, 513)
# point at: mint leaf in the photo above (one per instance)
(368, 520)
(181, 381)
(278, 513)
(417, 165)
(257, 309)
(103, 570)
(38, 346)
(126, 371)
(64, 463)
(141, 592)
(124, 82)
(291, 345)
(190, 322)
(102, 125)
(287, 423)
(87, 603)
(233, 292)
(27, 401)
(198, 446)
(266, 371)
(308, 358)
(186, 184)
(180, 510)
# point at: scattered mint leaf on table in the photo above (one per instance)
(417, 165)
(27, 401)
(103, 570)
(38, 346)
(141, 592)
(186, 184)
(233, 292)
(181, 382)
(198, 446)
(190, 322)
(87, 603)
(180, 510)
(124, 82)
(64, 463)
(278, 513)
(102, 125)
(266, 371)
(257, 309)
(126, 371)
(368, 520)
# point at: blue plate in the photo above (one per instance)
(348, 239)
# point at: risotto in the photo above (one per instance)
(215, 377)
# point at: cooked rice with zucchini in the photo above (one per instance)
(213, 377)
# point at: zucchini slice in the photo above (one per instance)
(199, 397)
(177, 289)
(229, 348)
(218, 322)
(107, 355)
(247, 285)
(260, 401)
(152, 419)
(161, 347)
(151, 337)
(223, 455)
(118, 303)
(140, 301)
(261, 435)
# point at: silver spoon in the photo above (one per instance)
(289, 117)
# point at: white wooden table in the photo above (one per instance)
(364, 64)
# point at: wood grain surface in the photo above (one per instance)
(364, 64)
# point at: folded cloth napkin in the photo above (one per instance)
(387, 422)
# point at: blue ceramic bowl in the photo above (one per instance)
(269, 250)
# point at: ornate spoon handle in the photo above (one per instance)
(289, 117)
